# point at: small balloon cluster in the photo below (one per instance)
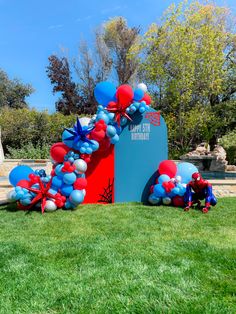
(65, 186)
(171, 183)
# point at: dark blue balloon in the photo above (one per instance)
(104, 92)
(138, 94)
(18, 173)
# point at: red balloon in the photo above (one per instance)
(58, 151)
(23, 183)
(124, 95)
(112, 104)
(97, 135)
(178, 201)
(147, 99)
(168, 167)
(80, 184)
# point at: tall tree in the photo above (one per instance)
(13, 93)
(119, 39)
(109, 58)
(189, 60)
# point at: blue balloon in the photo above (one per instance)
(111, 131)
(18, 173)
(94, 145)
(66, 189)
(25, 201)
(57, 182)
(163, 178)
(115, 139)
(66, 135)
(104, 117)
(69, 178)
(185, 171)
(104, 92)
(159, 191)
(76, 197)
(58, 171)
(138, 94)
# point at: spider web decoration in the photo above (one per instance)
(154, 118)
(106, 197)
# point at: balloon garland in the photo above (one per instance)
(66, 184)
(171, 182)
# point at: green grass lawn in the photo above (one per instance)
(125, 258)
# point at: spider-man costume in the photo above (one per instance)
(199, 189)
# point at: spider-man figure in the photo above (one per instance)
(199, 189)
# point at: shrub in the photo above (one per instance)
(29, 152)
(24, 130)
(228, 141)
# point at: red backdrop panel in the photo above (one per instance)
(100, 177)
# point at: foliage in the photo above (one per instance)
(29, 151)
(228, 141)
(125, 258)
(119, 39)
(109, 58)
(189, 60)
(21, 127)
(13, 92)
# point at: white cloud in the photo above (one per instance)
(55, 26)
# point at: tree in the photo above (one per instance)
(13, 93)
(189, 60)
(59, 73)
(108, 58)
(119, 39)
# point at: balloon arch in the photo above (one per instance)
(66, 185)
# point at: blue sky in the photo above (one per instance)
(31, 30)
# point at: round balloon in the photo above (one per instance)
(124, 95)
(50, 206)
(168, 167)
(138, 94)
(147, 99)
(76, 197)
(166, 200)
(104, 92)
(80, 165)
(154, 200)
(19, 173)
(84, 121)
(58, 151)
(185, 171)
(143, 87)
(163, 178)
(178, 201)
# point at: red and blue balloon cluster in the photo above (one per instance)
(171, 183)
(65, 186)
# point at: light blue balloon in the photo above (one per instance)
(104, 117)
(69, 205)
(25, 201)
(185, 170)
(58, 171)
(115, 139)
(89, 150)
(18, 173)
(154, 200)
(76, 197)
(111, 131)
(66, 135)
(163, 178)
(175, 190)
(142, 109)
(123, 121)
(159, 191)
(104, 92)
(138, 94)
(69, 178)
(94, 145)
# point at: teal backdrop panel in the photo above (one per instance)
(142, 146)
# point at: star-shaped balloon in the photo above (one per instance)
(42, 193)
(119, 112)
(78, 133)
